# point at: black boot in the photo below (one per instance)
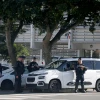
(76, 87)
(83, 90)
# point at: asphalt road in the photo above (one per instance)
(9, 95)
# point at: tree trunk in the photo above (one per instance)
(47, 45)
(47, 52)
(8, 41)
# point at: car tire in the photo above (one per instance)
(7, 85)
(97, 87)
(54, 86)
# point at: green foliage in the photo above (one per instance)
(51, 13)
(2, 36)
(96, 54)
(3, 51)
(21, 50)
(47, 15)
(92, 28)
(43, 13)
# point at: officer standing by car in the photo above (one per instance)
(0, 70)
(33, 66)
(80, 70)
(19, 70)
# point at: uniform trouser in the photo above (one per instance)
(18, 83)
(79, 78)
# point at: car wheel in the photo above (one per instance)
(54, 86)
(7, 85)
(97, 86)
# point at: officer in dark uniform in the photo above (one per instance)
(33, 66)
(19, 70)
(80, 70)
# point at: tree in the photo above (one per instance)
(19, 49)
(11, 12)
(47, 15)
(3, 52)
(63, 15)
(96, 53)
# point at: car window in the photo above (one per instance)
(4, 68)
(55, 65)
(26, 71)
(62, 66)
(13, 73)
(71, 65)
(97, 65)
(88, 64)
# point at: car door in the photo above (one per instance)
(90, 74)
(97, 69)
(69, 73)
(12, 77)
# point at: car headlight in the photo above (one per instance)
(41, 77)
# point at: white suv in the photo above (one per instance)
(61, 74)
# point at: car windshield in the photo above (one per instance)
(54, 65)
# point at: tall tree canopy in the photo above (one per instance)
(11, 12)
(63, 15)
(47, 15)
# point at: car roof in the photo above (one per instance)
(76, 59)
(9, 72)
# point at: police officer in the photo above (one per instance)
(19, 70)
(33, 66)
(80, 70)
(0, 70)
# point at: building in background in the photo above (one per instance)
(77, 42)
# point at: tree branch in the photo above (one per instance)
(48, 34)
(62, 31)
(15, 33)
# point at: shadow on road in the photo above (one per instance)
(9, 92)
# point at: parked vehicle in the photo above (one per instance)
(6, 68)
(61, 74)
(7, 80)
